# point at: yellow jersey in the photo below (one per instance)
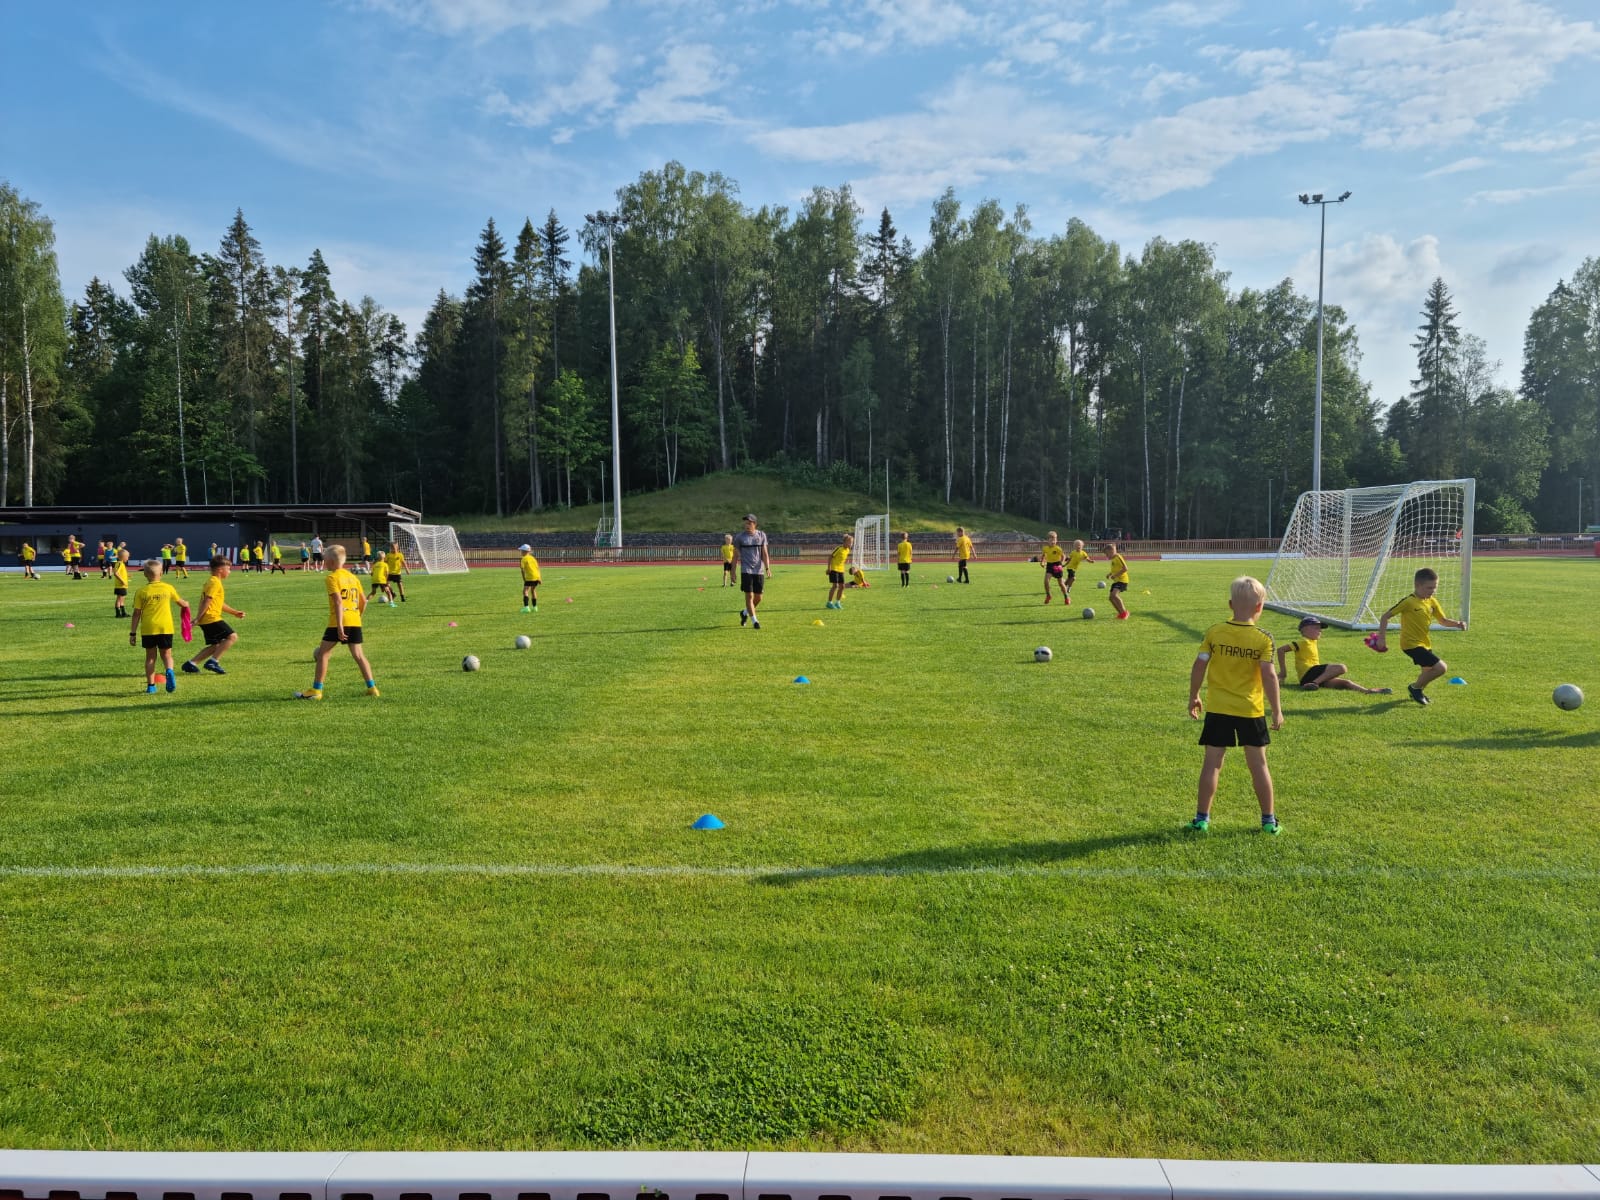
(837, 560)
(727, 552)
(1118, 570)
(1306, 656)
(1076, 559)
(1051, 553)
(530, 569)
(1416, 615)
(396, 561)
(380, 573)
(1234, 651)
(366, 548)
(154, 602)
(119, 575)
(180, 552)
(347, 590)
(963, 546)
(28, 552)
(210, 601)
(904, 552)
(277, 552)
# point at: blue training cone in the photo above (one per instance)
(1457, 679)
(801, 679)
(709, 821)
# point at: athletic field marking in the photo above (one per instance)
(794, 874)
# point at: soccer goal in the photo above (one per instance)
(872, 542)
(435, 547)
(1348, 555)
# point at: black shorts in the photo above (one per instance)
(156, 641)
(1224, 729)
(1119, 587)
(1422, 656)
(1313, 674)
(1072, 577)
(1053, 570)
(835, 576)
(752, 583)
(351, 635)
(728, 567)
(530, 583)
(316, 558)
(216, 631)
(905, 568)
(119, 591)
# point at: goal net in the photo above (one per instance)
(1347, 556)
(872, 542)
(433, 549)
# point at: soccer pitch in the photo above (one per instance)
(953, 909)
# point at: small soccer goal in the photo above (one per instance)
(432, 549)
(872, 542)
(1347, 556)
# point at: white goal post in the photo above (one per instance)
(434, 547)
(872, 542)
(1347, 556)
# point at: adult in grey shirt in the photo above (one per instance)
(755, 564)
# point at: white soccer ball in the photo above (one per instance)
(1042, 654)
(523, 641)
(1088, 614)
(949, 578)
(469, 663)
(1568, 696)
(1101, 584)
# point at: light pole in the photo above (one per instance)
(610, 221)
(1322, 243)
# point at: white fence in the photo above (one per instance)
(738, 1175)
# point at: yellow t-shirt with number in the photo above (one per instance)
(904, 552)
(837, 560)
(530, 569)
(1416, 616)
(347, 589)
(963, 546)
(1076, 559)
(210, 601)
(1051, 553)
(154, 602)
(1234, 651)
(380, 573)
(1117, 568)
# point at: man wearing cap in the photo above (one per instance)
(755, 564)
(530, 579)
(1311, 670)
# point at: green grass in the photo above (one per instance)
(952, 909)
(717, 502)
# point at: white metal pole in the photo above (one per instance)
(1316, 436)
(616, 425)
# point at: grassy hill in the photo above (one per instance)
(717, 502)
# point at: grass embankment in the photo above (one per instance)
(953, 908)
(717, 502)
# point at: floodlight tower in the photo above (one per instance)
(1322, 243)
(610, 222)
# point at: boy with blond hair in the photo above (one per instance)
(1117, 573)
(963, 553)
(29, 554)
(380, 583)
(218, 633)
(119, 584)
(728, 555)
(903, 559)
(1075, 559)
(396, 562)
(837, 562)
(1418, 613)
(1051, 556)
(152, 624)
(1235, 665)
(346, 602)
(531, 577)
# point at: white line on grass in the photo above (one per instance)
(791, 874)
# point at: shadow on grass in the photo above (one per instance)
(1518, 739)
(1179, 626)
(1021, 854)
(1353, 709)
(118, 703)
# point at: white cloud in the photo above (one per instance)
(873, 26)
(688, 74)
(593, 90)
(1516, 195)
(486, 19)
(1192, 13)
(1457, 167)
(1163, 82)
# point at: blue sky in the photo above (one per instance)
(385, 132)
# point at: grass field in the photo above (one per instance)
(952, 909)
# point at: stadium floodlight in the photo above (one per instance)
(610, 222)
(1322, 244)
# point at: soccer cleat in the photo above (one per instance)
(1270, 825)
(373, 691)
(1047, 597)
(1416, 693)
(1199, 825)
(215, 667)
(172, 681)
(313, 694)
(525, 608)
(1066, 599)
(1122, 616)
(754, 624)
(744, 615)
(150, 689)
(190, 669)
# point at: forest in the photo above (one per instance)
(1055, 375)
